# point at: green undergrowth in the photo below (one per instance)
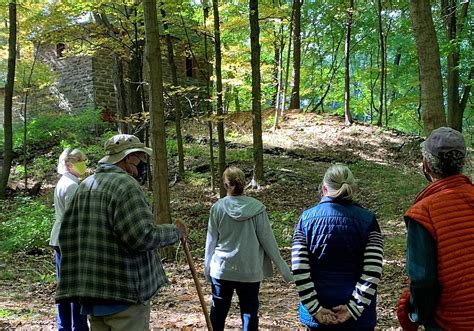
(283, 226)
(25, 223)
(48, 129)
(389, 191)
(386, 189)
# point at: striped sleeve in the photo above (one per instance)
(301, 272)
(366, 287)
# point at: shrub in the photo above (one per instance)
(42, 165)
(25, 224)
(49, 128)
(283, 224)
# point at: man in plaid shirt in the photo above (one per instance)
(108, 241)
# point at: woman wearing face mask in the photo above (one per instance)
(71, 165)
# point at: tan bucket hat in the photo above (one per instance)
(120, 145)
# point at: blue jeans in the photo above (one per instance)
(69, 317)
(222, 292)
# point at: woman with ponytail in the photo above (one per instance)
(337, 256)
(240, 250)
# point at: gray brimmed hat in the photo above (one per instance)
(444, 140)
(120, 145)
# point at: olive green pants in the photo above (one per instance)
(136, 317)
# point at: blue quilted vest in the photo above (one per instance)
(337, 233)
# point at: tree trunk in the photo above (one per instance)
(279, 82)
(228, 92)
(347, 92)
(448, 11)
(158, 133)
(295, 92)
(134, 94)
(467, 90)
(117, 75)
(287, 69)
(382, 63)
(120, 94)
(385, 97)
(237, 101)
(276, 59)
(333, 70)
(25, 135)
(455, 110)
(398, 57)
(256, 93)
(372, 83)
(429, 63)
(396, 63)
(208, 95)
(467, 86)
(25, 114)
(175, 97)
(220, 119)
(8, 111)
(371, 89)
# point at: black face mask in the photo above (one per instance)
(141, 176)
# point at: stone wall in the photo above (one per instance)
(86, 81)
(104, 93)
(73, 90)
(180, 56)
(192, 102)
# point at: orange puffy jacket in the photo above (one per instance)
(446, 209)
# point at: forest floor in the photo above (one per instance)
(386, 164)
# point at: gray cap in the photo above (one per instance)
(120, 145)
(444, 140)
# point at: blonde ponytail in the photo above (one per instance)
(339, 182)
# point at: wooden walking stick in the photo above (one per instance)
(197, 283)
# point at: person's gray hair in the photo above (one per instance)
(447, 164)
(339, 182)
(70, 155)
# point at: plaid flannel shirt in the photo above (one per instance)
(108, 241)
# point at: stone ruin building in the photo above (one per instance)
(85, 81)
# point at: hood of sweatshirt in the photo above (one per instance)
(242, 208)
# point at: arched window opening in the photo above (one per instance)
(60, 47)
